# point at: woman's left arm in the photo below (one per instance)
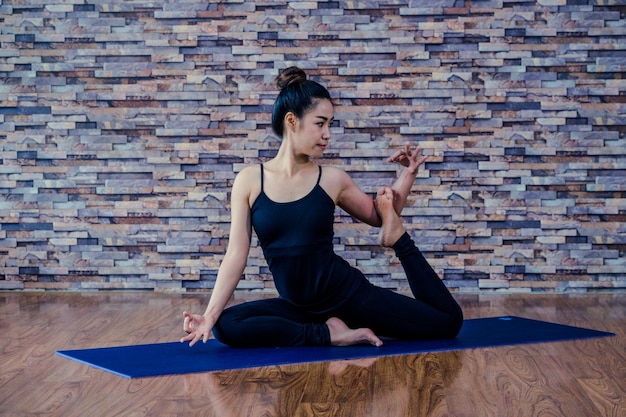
(362, 206)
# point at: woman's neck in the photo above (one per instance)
(288, 160)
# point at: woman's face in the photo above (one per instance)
(313, 130)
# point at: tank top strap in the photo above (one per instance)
(261, 165)
(319, 176)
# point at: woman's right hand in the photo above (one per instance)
(197, 326)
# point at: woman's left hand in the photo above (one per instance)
(407, 158)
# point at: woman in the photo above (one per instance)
(290, 203)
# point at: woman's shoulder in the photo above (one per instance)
(247, 178)
(335, 181)
(249, 171)
(248, 183)
(334, 173)
(332, 170)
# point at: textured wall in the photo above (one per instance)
(123, 124)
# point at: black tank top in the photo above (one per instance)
(295, 227)
(297, 241)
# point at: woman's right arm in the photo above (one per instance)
(232, 266)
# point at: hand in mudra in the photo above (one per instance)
(408, 158)
(198, 328)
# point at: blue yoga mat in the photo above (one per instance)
(159, 359)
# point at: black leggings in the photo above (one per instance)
(432, 314)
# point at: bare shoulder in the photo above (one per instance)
(334, 173)
(347, 195)
(248, 183)
(249, 173)
(335, 181)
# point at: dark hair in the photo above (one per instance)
(297, 95)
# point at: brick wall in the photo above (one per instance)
(123, 124)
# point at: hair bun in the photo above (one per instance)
(290, 76)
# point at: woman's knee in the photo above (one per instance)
(456, 323)
(225, 328)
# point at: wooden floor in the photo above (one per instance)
(585, 378)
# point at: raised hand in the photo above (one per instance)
(407, 158)
(197, 326)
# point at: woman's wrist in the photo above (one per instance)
(209, 316)
(412, 170)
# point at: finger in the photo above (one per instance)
(192, 338)
(395, 156)
(186, 324)
(407, 148)
(399, 158)
(197, 337)
(187, 338)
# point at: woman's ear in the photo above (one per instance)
(290, 121)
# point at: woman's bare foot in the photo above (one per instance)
(342, 335)
(392, 228)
